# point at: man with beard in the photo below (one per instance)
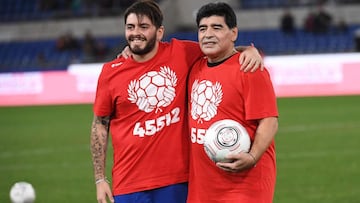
(141, 102)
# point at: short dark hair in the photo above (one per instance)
(217, 9)
(147, 8)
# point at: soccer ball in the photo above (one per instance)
(224, 137)
(22, 192)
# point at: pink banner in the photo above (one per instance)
(47, 88)
(292, 76)
(315, 75)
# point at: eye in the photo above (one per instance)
(202, 29)
(129, 27)
(144, 27)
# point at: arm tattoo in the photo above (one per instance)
(98, 144)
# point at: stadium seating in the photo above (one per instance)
(42, 55)
(18, 10)
(274, 42)
(23, 56)
(261, 4)
(32, 10)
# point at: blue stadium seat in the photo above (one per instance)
(22, 56)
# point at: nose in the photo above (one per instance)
(136, 30)
(208, 33)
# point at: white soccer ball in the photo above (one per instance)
(224, 137)
(22, 192)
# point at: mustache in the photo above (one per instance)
(209, 40)
(136, 37)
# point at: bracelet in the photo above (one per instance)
(101, 180)
(252, 156)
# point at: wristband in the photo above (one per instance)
(101, 180)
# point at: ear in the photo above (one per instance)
(160, 33)
(234, 32)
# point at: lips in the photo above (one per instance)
(137, 39)
(208, 43)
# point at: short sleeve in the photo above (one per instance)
(259, 96)
(103, 101)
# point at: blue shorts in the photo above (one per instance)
(170, 194)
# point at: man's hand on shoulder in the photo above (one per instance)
(251, 60)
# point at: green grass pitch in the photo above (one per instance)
(317, 147)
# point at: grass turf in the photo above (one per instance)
(317, 148)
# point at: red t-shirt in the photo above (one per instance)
(148, 126)
(225, 92)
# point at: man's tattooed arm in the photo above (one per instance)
(98, 144)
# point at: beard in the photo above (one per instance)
(149, 46)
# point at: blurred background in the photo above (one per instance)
(51, 34)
